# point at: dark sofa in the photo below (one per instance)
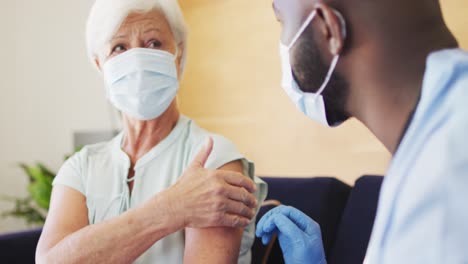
(345, 214)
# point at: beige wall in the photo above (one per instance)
(232, 87)
(48, 91)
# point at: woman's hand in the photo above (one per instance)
(209, 198)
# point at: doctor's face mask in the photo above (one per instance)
(317, 91)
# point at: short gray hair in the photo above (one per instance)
(107, 16)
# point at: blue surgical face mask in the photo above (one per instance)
(141, 83)
(311, 104)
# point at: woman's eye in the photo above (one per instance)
(154, 44)
(118, 49)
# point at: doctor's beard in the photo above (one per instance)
(310, 71)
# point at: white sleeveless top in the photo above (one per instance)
(100, 173)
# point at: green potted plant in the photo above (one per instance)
(33, 208)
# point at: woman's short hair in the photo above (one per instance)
(107, 16)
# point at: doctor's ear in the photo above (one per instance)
(333, 28)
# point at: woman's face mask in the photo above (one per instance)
(141, 82)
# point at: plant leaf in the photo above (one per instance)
(33, 172)
(23, 209)
(40, 192)
(46, 171)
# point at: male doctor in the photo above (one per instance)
(395, 66)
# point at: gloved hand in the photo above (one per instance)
(299, 236)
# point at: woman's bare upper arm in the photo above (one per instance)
(214, 245)
(67, 214)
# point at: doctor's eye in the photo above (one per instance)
(154, 44)
(118, 49)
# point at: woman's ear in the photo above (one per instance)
(179, 59)
(180, 48)
(334, 28)
(98, 65)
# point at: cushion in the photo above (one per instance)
(19, 247)
(356, 225)
(323, 199)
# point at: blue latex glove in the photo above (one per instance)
(299, 236)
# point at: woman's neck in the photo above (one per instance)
(141, 136)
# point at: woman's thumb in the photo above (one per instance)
(202, 156)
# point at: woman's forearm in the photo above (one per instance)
(120, 240)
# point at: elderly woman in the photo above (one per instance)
(164, 190)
